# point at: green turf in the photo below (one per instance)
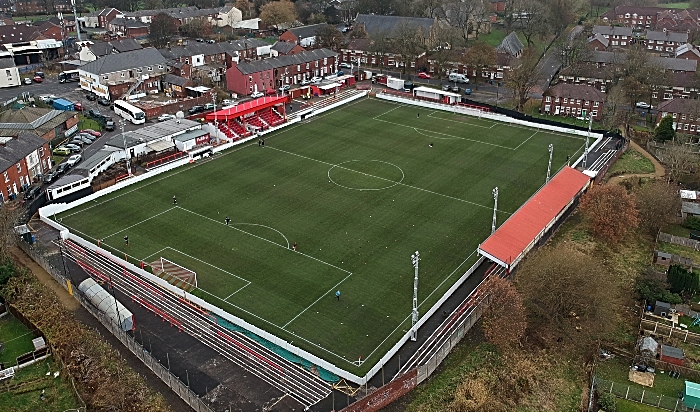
(359, 190)
(17, 339)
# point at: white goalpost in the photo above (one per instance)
(173, 269)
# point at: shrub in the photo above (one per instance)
(682, 280)
(692, 223)
(607, 402)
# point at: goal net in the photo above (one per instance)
(174, 274)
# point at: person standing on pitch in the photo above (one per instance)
(294, 246)
(227, 220)
(337, 295)
(174, 200)
(126, 240)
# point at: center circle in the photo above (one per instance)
(365, 175)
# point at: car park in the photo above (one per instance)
(91, 96)
(256, 95)
(165, 116)
(86, 138)
(77, 141)
(49, 177)
(91, 132)
(284, 88)
(423, 75)
(27, 80)
(103, 102)
(62, 168)
(109, 125)
(72, 147)
(32, 192)
(196, 109)
(73, 160)
(61, 151)
(209, 106)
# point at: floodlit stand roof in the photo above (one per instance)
(247, 107)
(510, 242)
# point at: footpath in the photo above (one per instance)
(659, 170)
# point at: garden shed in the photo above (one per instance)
(672, 355)
(662, 308)
(691, 397)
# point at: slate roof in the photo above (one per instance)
(511, 44)
(129, 23)
(18, 148)
(599, 37)
(211, 49)
(668, 63)
(172, 79)
(283, 61)
(667, 36)
(17, 33)
(121, 46)
(178, 12)
(684, 48)
(376, 24)
(31, 119)
(576, 91)
(613, 30)
(123, 61)
(283, 47)
(672, 352)
(304, 32)
(679, 106)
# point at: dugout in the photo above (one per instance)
(428, 93)
(107, 304)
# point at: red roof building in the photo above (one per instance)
(511, 242)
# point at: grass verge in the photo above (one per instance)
(631, 162)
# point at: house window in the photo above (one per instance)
(187, 61)
(41, 151)
(150, 68)
(585, 102)
(122, 74)
(413, 64)
(685, 126)
(566, 100)
(307, 66)
(578, 101)
(548, 99)
(325, 61)
(669, 49)
(250, 78)
(556, 99)
(623, 43)
(19, 168)
(7, 72)
(594, 113)
(692, 127)
(674, 115)
(683, 117)
(160, 66)
(595, 104)
(614, 42)
(298, 67)
(7, 178)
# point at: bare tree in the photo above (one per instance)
(329, 37)
(379, 46)
(478, 57)
(161, 30)
(561, 14)
(681, 159)
(409, 41)
(532, 19)
(505, 306)
(522, 78)
(613, 116)
(444, 53)
(460, 15)
(658, 204)
(10, 217)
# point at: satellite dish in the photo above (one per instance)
(180, 115)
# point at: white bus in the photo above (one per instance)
(129, 112)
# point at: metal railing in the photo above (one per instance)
(640, 395)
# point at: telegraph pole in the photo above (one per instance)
(549, 166)
(588, 135)
(77, 23)
(414, 315)
(495, 208)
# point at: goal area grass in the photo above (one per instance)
(359, 190)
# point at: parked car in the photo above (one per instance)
(49, 177)
(109, 125)
(305, 82)
(78, 107)
(40, 74)
(467, 91)
(47, 98)
(165, 116)
(316, 79)
(643, 105)
(423, 75)
(211, 41)
(196, 109)
(227, 102)
(95, 114)
(91, 132)
(61, 151)
(345, 66)
(91, 96)
(255, 95)
(284, 88)
(38, 79)
(27, 80)
(455, 89)
(76, 141)
(62, 168)
(32, 192)
(445, 87)
(72, 147)
(87, 136)
(209, 106)
(103, 102)
(85, 139)
(73, 160)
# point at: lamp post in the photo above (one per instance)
(77, 24)
(549, 165)
(588, 136)
(495, 208)
(126, 150)
(415, 258)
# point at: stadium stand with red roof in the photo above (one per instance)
(261, 113)
(514, 238)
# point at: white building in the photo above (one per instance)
(9, 75)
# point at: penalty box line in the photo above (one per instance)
(340, 166)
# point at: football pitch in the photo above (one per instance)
(358, 189)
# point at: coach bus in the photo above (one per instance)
(69, 76)
(129, 112)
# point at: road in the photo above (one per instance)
(549, 65)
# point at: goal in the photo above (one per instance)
(174, 274)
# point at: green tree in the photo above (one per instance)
(683, 281)
(278, 12)
(665, 131)
(328, 37)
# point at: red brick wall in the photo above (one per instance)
(386, 394)
(14, 176)
(288, 37)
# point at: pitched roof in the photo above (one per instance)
(283, 47)
(359, 44)
(668, 63)
(511, 44)
(672, 352)
(172, 79)
(31, 119)
(599, 37)
(687, 106)
(129, 23)
(304, 32)
(16, 149)
(283, 61)
(612, 30)
(687, 48)
(116, 62)
(377, 24)
(207, 49)
(576, 91)
(17, 33)
(178, 12)
(104, 48)
(667, 36)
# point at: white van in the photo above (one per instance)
(459, 78)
